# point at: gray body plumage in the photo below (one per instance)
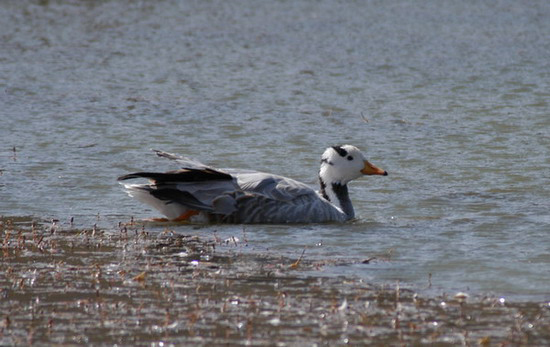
(239, 196)
(267, 198)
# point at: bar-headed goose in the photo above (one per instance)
(201, 193)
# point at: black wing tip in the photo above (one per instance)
(183, 175)
(149, 175)
(125, 177)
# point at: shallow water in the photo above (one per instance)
(61, 285)
(450, 97)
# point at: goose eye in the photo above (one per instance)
(350, 157)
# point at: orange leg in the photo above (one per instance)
(185, 216)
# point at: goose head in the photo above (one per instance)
(342, 164)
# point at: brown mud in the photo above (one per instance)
(62, 285)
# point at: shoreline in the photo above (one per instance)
(62, 285)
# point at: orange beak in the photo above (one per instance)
(370, 169)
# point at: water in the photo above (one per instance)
(450, 97)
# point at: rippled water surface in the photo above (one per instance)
(451, 98)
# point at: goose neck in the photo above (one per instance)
(337, 194)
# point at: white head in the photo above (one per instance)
(341, 164)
